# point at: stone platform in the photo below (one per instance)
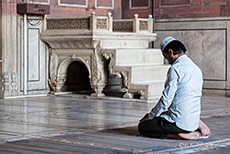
(67, 124)
(119, 48)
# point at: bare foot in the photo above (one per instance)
(204, 130)
(190, 136)
(187, 136)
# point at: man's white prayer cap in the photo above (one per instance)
(166, 41)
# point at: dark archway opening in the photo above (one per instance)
(77, 79)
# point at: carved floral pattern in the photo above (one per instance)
(102, 23)
(78, 23)
(71, 43)
(126, 26)
(144, 25)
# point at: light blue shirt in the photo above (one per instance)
(182, 94)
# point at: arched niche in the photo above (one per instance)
(62, 71)
(77, 78)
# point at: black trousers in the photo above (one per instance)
(158, 128)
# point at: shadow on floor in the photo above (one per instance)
(131, 131)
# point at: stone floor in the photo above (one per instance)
(71, 124)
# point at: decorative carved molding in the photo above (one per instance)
(99, 76)
(144, 25)
(142, 92)
(14, 87)
(77, 23)
(124, 26)
(102, 23)
(6, 84)
(94, 44)
(125, 75)
(9, 84)
(109, 56)
(60, 43)
(53, 62)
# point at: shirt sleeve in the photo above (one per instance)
(167, 94)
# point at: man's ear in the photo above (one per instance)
(170, 51)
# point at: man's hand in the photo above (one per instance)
(145, 118)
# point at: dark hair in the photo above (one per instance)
(176, 46)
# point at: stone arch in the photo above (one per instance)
(62, 69)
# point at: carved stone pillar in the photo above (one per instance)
(99, 76)
(60, 82)
(53, 62)
(6, 84)
(9, 84)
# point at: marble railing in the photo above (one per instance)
(123, 25)
(105, 23)
(68, 23)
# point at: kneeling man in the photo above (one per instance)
(177, 113)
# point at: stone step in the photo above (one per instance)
(150, 91)
(148, 73)
(130, 57)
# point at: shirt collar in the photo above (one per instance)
(180, 58)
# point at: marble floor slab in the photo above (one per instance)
(37, 120)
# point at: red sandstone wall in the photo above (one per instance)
(165, 9)
(141, 7)
(169, 9)
(101, 7)
(69, 8)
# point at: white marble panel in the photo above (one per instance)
(207, 48)
(36, 58)
(8, 48)
(207, 40)
(33, 55)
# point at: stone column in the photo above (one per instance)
(136, 23)
(110, 22)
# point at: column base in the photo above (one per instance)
(98, 95)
